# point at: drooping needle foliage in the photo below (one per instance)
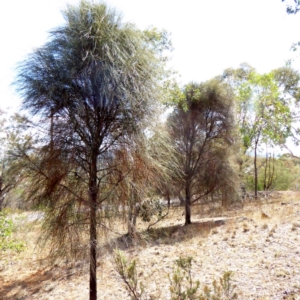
(91, 87)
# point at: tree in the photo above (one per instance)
(202, 132)
(95, 82)
(280, 173)
(11, 169)
(4, 185)
(268, 117)
(292, 8)
(145, 161)
(288, 81)
(263, 107)
(269, 170)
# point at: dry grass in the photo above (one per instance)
(259, 243)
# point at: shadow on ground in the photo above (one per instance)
(164, 235)
(41, 280)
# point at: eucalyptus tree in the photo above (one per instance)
(202, 130)
(288, 80)
(267, 116)
(238, 80)
(91, 86)
(264, 105)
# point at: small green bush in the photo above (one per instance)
(7, 242)
(148, 209)
(128, 272)
(182, 284)
(183, 287)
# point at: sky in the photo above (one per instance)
(208, 36)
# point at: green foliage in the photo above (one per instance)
(224, 289)
(263, 103)
(286, 174)
(263, 113)
(288, 80)
(173, 95)
(128, 272)
(160, 41)
(7, 228)
(265, 110)
(148, 209)
(182, 283)
(13, 135)
(183, 287)
(203, 133)
(92, 87)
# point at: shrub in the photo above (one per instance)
(128, 272)
(183, 287)
(182, 284)
(7, 242)
(148, 209)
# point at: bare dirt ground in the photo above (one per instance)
(260, 243)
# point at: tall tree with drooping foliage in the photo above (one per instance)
(90, 87)
(202, 128)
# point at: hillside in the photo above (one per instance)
(260, 243)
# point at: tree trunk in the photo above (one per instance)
(129, 221)
(133, 211)
(93, 255)
(1, 203)
(1, 191)
(51, 132)
(169, 199)
(187, 204)
(1, 194)
(224, 198)
(266, 168)
(255, 169)
(93, 193)
(181, 200)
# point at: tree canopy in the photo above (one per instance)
(202, 129)
(91, 87)
(292, 8)
(92, 93)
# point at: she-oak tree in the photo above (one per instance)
(202, 130)
(96, 81)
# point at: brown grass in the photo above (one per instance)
(263, 252)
